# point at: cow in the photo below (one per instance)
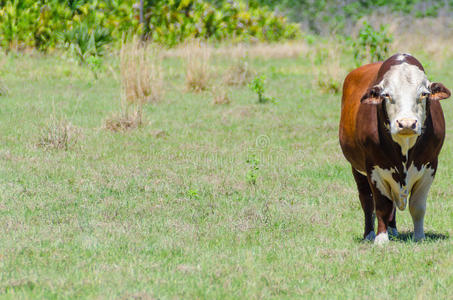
(391, 132)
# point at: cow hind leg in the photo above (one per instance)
(366, 200)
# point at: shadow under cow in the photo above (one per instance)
(406, 237)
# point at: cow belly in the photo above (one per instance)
(398, 192)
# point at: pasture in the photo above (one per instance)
(240, 200)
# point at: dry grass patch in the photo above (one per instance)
(123, 122)
(59, 134)
(197, 56)
(220, 95)
(238, 74)
(141, 82)
(258, 50)
(141, 72)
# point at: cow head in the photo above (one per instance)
(404, 90)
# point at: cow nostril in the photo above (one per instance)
(400, 125)
(414, 125)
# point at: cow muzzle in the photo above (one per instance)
(406, 126)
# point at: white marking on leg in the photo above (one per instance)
(417, 202)
(381, 239)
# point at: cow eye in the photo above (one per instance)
(424, 95)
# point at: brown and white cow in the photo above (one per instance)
(391, 131)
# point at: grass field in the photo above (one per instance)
(169, 210)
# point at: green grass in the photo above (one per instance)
(145, 215)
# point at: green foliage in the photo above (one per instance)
(171, 22)
(95, 65)
(325, 16)
(28, 23)
(371, 43)
(257, 85)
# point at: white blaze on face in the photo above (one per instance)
(404, 88)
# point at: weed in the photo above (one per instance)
(252, 173)
(193, 194)
(95, 64)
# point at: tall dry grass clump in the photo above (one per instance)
(197, 55)
(239, 72)
(141, 82)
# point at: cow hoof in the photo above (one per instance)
(381, 239)
(370, 236)
(393, 232)
(418, 237)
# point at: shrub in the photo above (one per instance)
(372, 44)
(84, 42)
(30, 23)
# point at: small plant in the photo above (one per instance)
(257, 85)
(58, 134)
(372, 44)
(193, 194)
(198, 71)
(84, 42)
(252, 173)
(95, 64)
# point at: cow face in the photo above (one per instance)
(405, 90)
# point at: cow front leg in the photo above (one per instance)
(417, 204)
(366, 200)
(392, 231)
(384, 210)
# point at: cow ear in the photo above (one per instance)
(438, 91)
(372, 95)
